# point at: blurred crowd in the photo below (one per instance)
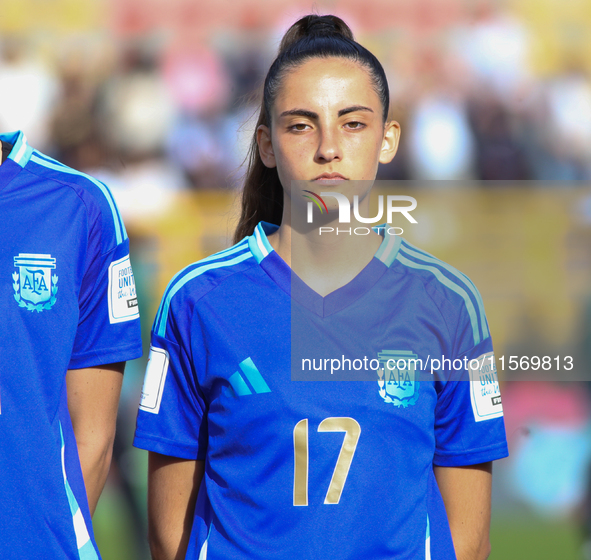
(158, 113)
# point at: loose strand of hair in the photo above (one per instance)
(262, 195)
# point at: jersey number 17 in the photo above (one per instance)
(352, 431)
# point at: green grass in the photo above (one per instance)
(113, 529)
(523, 537)
(533, 538)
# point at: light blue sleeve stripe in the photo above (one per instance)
(108, 194)
(254, 376)
(427, 258)
(387, 251)
(11, 137)
(71, 498)
(203, 552)
(120, 232)
(222, 254)
(454, 287)
(428, 541)
(385, 242)
(86, 550)
(264, 240)
(239, 385)
(259, 244)
(161, 330)
(254, 248)
(21, 151)
(18, 148)
(23, 154)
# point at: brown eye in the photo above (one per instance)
(354, 125)
(299, 127)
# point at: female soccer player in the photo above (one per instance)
(289, 406)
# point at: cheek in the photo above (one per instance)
(367, 143)
(293, 159)
(365, 152)
(286, 169)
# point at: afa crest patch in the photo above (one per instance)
(397, 382)
(35, 285)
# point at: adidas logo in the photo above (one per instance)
(256, 383)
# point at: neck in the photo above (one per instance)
(325, 260)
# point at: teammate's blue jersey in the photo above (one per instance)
(67, 302)
(303, 459)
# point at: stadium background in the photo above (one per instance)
(494, 97)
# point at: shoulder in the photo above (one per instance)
(452, 291)
(60, 186)
(202, 278)
(94, 194)
(431, 270)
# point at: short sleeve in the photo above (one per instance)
(469, 426)
(172, 414)
(108, 317)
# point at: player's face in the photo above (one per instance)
(327, 127)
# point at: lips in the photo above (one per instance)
(328, 178)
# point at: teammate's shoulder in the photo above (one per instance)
(48, 174)
(53, 170)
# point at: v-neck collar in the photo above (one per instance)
(295, 287)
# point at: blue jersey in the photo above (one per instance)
(320, 418)
(67, 302)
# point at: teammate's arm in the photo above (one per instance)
(173, 485)
(466, 493)
(93, 399)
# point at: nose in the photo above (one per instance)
(329, 147)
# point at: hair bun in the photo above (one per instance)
(315, 26)
(325, 25)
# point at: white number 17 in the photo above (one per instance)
(352, 431)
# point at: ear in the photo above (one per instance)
(390, 142)
(265, 146)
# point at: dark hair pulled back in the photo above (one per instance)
(312, 36)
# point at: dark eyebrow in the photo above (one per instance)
(299, 113)
(353, 109)
(314, 116)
